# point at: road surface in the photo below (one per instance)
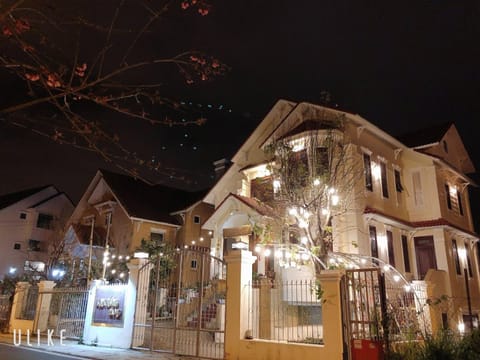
(12, 352)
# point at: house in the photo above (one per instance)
(31, 221)
(120, 211)
(408, 209)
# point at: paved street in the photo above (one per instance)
(12, 352)
(72, 350)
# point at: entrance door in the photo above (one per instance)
(425, 255)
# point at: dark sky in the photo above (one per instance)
(400, 64)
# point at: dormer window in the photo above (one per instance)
(445, 146)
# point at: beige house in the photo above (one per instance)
(30, 220)
(410, 208)
(121, 211)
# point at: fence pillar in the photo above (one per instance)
(42, 311)
(265, 322)
(21, 290)
(239, 275)
(332, 312)
(140, 279)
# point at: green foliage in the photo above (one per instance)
(444, 346)
(319, 291)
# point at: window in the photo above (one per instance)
(193, 264)
(469, 261)
(417, 188)
(425, 255)
(444, 321)
(260, 188)
(406, 255)
(383, 172)
(456, 258)
(391, 254)
(398, 181)
(447, 194)
(17, 246)
(157, 237)
(298, 171)
(44, 221)
(367, 164)
(23, 215)
(196, 219)
(445, 146)
(322, 163)
(33, 245)
(373, 242)
(459, 202)
(454, 199)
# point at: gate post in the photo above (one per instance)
(21, 290)
(42, 310)
(332, 311)
(140, 278)
(239, 276)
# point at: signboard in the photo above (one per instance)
(109, 306)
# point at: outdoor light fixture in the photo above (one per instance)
(140, 255)
(12, 270)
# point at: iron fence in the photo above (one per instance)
(287, 311)
(67, 311)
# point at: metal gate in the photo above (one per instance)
(181, 304)
(365, 311)
(67, 310)
(5, 308)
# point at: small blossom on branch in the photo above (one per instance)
(80, 70)
(6, 31)
(22, 25)
(32, 77)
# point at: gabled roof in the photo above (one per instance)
(12, 198)
(426, 136)
(147, 201)
(256, 205)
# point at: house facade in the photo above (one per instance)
(30, 222)
(408, 209)
(120, 212)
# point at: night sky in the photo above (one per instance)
(401, 65)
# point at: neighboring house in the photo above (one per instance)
(129, 210)
(411, 208)
(30, 220)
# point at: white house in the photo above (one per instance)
(29, 221)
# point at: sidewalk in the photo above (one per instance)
(72, 347)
